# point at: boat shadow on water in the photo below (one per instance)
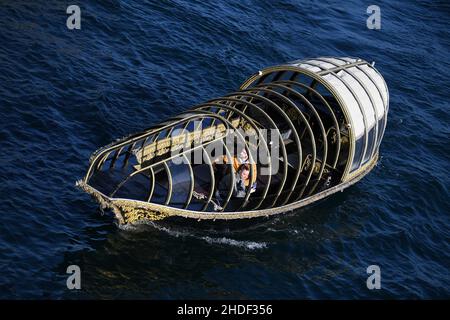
(160, 259)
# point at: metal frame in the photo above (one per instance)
(322, 128)
(333, 115)
(315, 77)
(247, 118)
(345, 68)
(311, 133)
(274, 126)
(291, 126)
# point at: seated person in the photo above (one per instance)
(241, 159)
(242, 183)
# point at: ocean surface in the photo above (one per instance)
(64, 93)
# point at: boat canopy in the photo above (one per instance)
(355, 84)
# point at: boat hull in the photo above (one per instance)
(128, 211)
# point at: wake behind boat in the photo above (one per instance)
(291, 135)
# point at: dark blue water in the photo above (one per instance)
(64, 93)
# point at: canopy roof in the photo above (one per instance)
(357, 86)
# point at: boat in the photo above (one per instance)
(291, 135)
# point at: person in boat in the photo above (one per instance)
(241, 185)
(237, 161)
(243, 181)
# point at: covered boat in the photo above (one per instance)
(291, 135)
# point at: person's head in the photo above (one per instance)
(243, 154)
(244, 171)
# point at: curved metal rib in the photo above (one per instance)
(266, 116)
(172, 157)
(186, 151)
(368, 93)
(104, 153)
(170, 183)
(251, 160)
(128, 154)
(213, 179)
(380, 130)
(192, 180)
(313, 140)
(333, 115)
(356, 97)
(334, 94)
(291, 126)
(114, 159)
(152, 186)
(232, 179)
(234, 110)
